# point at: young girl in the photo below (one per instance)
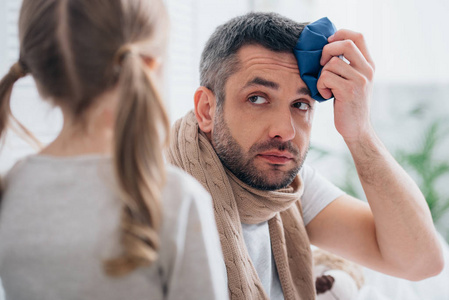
(96, 214)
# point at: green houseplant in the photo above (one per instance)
(420, 161)
(427, 169)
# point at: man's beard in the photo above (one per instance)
(242, 164)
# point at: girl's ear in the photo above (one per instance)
(151, 62)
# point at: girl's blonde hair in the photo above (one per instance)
(76, 51)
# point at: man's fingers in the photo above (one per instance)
(329, 82)
(346, 48)
(357, 38)
(350, 51)
(337, 66)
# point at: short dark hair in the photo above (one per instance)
(219, 58)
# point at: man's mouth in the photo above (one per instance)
(276, 157)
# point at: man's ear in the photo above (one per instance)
(205, 104)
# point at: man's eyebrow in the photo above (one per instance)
(264, 82)
(304, 91)
(274, 85)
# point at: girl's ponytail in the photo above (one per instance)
(6, 85)
(17, 71)
(141, 131)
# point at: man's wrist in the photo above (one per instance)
(364, 137)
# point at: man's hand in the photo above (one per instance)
(351, 84)
(394, 233)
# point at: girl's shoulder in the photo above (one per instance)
(181, 189)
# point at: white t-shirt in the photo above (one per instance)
(59, 220)
(318, 193)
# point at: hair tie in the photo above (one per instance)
(18, 70)
(121, 53)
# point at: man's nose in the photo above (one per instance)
(282, 125)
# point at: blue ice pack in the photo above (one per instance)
(308, 51)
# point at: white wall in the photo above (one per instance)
(192, 21)
(407, 37)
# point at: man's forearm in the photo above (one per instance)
(404, 229)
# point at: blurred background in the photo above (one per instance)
(410, 107)
(407, 40)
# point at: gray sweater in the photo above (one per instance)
(59, 219)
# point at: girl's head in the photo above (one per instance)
(71, 48)
(77, 51)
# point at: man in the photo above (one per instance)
(247, 141)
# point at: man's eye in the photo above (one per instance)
(257, 100)
(302, 105)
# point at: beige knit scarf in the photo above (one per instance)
(236, 202)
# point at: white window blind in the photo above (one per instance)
(192, 22)
(182, 58)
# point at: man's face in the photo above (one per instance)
(262, 131)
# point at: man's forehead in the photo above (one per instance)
(259, 66)
(254, 55)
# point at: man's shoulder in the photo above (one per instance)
(306, 171)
